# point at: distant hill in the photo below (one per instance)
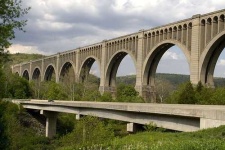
(174, 79)
(21, 57)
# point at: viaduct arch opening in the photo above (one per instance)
(50, 74)
(67, 74)
(153, 82)
(112, 69)
(36, 74)
(89, 70)
(26, 75)
(212, 54)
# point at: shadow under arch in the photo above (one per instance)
(209, 58)
(49, 72)
(67, 71)
(26, 74)
(151, 63)
(113, 65)
(86, 67)
(36, 75)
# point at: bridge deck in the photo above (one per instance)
(172, 116)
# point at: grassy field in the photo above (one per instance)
(210, 139)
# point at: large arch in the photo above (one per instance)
(49, 71)
(113, 65)
(151, 63)
(36, 74)
(26, 74)
(209, 58)
(86, 67)
(67, 71)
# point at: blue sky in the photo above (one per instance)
(58, 25)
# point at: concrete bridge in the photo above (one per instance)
(201, 38)
(169, 116)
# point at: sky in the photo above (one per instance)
(59, 25)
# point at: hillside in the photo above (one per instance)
(21, 57)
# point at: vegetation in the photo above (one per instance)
(14, 134)
(19, 132)
(10, 12)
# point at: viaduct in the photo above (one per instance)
(201, 38)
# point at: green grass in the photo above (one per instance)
(210, 139)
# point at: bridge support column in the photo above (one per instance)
(78, 116)
(57, 69)
(30, 72)
(51, 118)
(146, 91)
(134, 127)
(42, 70)
(103, 85)
(195, 50)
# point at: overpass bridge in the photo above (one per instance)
(170, 116)
(201, 38)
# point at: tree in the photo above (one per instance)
(187, 95)
(17, 87)
(10, 12)
(184, 95)
(53, 91)
(127, 93)
(163, 89)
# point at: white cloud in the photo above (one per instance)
(17, 48)
(221, 62)
(170, 55)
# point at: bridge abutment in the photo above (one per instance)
(147, 92)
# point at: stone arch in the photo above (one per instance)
(151, 62)
(209, 58)
(36, 75)
(26, 74)
(65, 70)
(222, 17)
(49, 71)
(86, 67)
(113, 65)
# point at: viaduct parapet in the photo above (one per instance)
(201, 38)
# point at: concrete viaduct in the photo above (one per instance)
(201, 38)
(169, 116)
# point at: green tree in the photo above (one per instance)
(127, 93)
(199, 87)
(10, 12)
(218, 97)
(52, 90)
(88, 131)
(17, 87)
(184, 95)
(187, 95)
(2, 83)
(106, 97)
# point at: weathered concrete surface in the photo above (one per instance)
(170, 116)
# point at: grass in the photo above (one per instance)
(210, 139)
